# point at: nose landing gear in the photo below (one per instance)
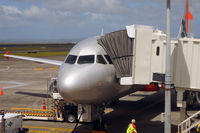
(100, 125)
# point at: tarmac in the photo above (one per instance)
(24, 85)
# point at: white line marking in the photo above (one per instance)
(15, 84)
(6, 69)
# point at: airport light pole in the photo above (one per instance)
(168, 74)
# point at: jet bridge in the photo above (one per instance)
(137, 53)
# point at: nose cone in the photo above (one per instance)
(67, 82)
(76, 85)
(85, 84)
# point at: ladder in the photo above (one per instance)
(186, 125)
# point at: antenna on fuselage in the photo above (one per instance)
(102, 32)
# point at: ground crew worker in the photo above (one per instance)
(131, 127)
(198, 128)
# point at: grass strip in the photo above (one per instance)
(40, 54)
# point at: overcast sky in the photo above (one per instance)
(75, 19)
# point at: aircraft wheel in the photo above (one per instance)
(70, 118)
(100, 126)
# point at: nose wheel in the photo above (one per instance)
(70, 118)
(70, 113)
(100, 125)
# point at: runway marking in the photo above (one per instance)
(56, 130)
(17, 84)
(5, 69)
(53, 68)
(37, 131)
(41, 68)
(38, 68)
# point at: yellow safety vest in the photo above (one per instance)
(198, 127)
(131, 129)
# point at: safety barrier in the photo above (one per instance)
(33, 112)
(186, 125)
(29, 112)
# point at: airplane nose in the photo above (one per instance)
(73, 86)
(85, 84)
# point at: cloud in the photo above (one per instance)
(95, 6)
(9, 10)
(63, 13)
(10, 16)
(87, 17)
(35, 11)
(95, 16)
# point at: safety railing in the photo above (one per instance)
(186, 125)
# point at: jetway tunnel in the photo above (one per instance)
(134, 51)
(120, 48)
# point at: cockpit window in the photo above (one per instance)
(108, 59)
(71, 59)
(100, 59)
(86, 59)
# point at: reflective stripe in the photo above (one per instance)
(131, 129)
(134, 126)
(198, 127)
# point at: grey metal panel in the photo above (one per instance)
(120, 48)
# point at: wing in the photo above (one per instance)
(54, 62)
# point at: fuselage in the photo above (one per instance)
(87, 75)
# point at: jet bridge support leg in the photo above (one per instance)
(181, 102)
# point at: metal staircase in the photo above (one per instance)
(189, 123)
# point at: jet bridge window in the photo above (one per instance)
(71, 59)
(108, 59)
(100, 59)
(86, 59)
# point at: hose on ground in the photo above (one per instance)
(83, 111)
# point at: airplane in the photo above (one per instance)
(87, 76)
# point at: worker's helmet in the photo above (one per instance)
(133, 121)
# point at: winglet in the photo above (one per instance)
(186, 27)
(7, 53)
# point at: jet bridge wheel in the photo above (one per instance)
(198, 98)
(190, 98)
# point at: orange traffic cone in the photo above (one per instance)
(44, 106)
(1, 91)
